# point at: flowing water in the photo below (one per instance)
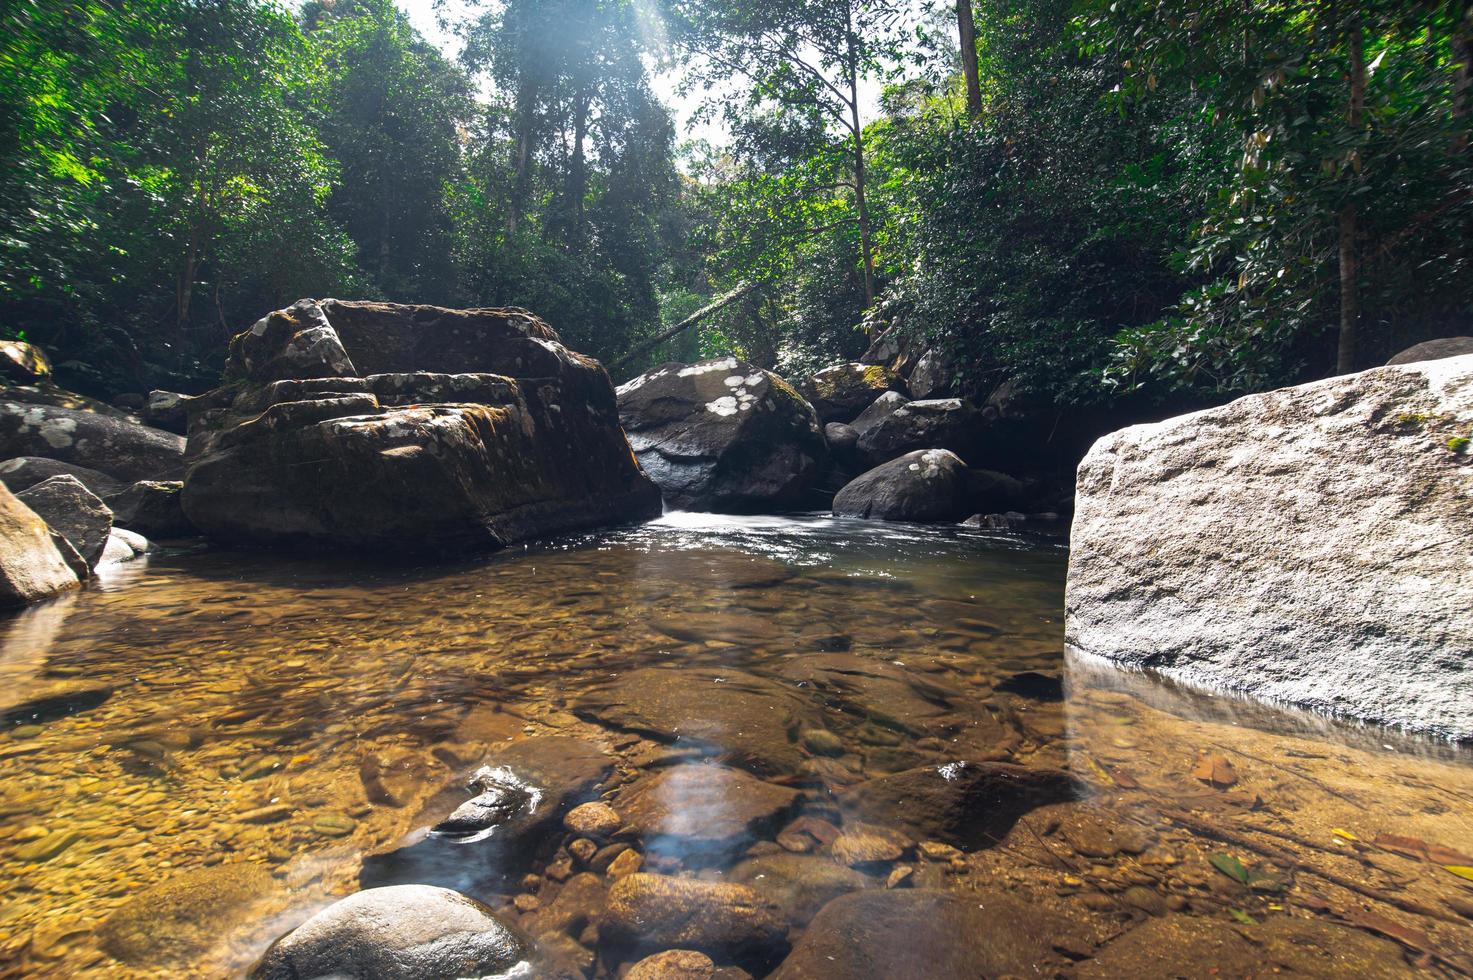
(201, 751)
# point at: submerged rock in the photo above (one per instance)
(841, 392)
(723, 435)
(519, 799)
(925, 935)
(32, 565)
(1185, 946)
(123, 449)
(881, 691)
(407, 932)
(75, 513)
(1307, 545)
(674, 964)
(177, 921)
(751, 720)
(800, 883)
(24, 472)
(927, 485)
(648, 910)
(703, 812)
(971, 805)
(297, 452)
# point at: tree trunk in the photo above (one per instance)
(521, 155)
(577, 186)
(1462, 78)
(967, 32)
(1349, 259)
(866, 258)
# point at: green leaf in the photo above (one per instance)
(1243, 917)
(1231, 867)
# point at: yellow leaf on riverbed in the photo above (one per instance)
(1459, 870)
(1344, 834)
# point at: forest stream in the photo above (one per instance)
(203, 749)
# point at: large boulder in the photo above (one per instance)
(841, 392)
(297, 451)
(939, 423)
(926, 485)
(1307, 545)
(723, 435)
(74, 512)
(32, 564)
(167, 410)
(119, 447)
(153, 508)
(24, 472)
(878, 409)
(894, 350)
(405, 932)
(934, 376)
(1433, 350)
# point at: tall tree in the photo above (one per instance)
(966, 29)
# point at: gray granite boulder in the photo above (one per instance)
(24, 472)
(74, 512)
(121, 448)
(32, 565)
(1308, 545)
(1432, 350)
(926, 485)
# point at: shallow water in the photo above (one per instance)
(203, 750)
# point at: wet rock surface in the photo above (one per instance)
(531, 446)
(919, 940)
(926, 485)
(714, 917)
(74, 512)
(723, 435)
(178, 920)
(801, 884)
(703, 812)
(408, 932)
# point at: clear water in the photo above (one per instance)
(202, 750)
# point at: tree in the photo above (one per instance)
(967, 37)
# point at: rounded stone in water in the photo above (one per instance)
(403, 932)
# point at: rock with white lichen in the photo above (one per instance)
(723, 435)
(926, 485)
(299, 449)
(1307, 545)
(841, 392)
(117, 447)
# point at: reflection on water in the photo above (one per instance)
(201, 751)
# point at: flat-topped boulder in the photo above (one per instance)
(378, 426)
(1308, 545)
(723, 435)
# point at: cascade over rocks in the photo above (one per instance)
(118, 447)
(32, 563)
(841, 392)
(297, 449)
(405, 932)
(1307, 545)
(926, 485)
(723, 435)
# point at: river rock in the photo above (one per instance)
(941, 423)
(647, 910)
(933, 376)
(970, 805)
(701, 812)
(800, 883)
(54, 397)
(989, 491)
(123, 449)
(596, 820)
(841, 392)
(1188, 946)
(746, 718)
(25, 472)
(843, 442)
(124, 546)
(167, 410)
(154, 508)
(1306, 545)
(27, 705)
(1432, 350)
(879, 409)
(927, 485)
(894, 350)
(294, 451)
(674, 964)
(23, 363)
(32, 564)
(74, 512)
(176, 922)
(723, 435)
(883, 692)
(407, 932)
(917, 934)
(518, 799)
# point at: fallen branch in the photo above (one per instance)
(719, 303)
